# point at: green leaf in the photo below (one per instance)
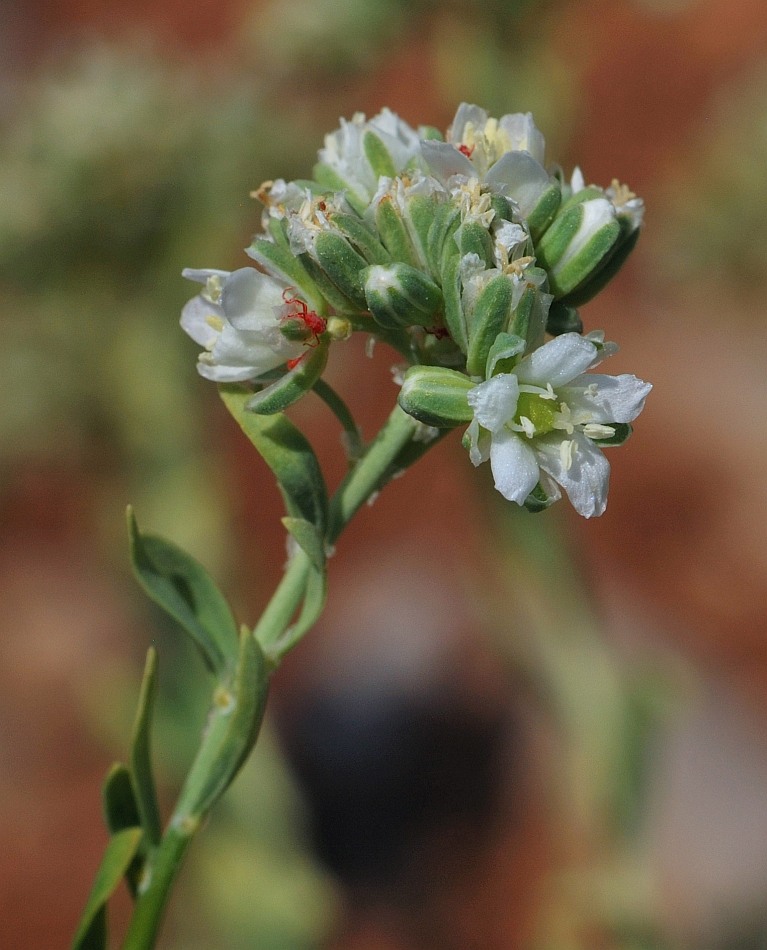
(121, 812)
(235, 718)
(308, 539)
(141, 760)
(183, 588)
(378, 155)
(120, 851)
(287, 453)
(312, 607)
(291, 387)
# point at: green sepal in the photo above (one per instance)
(120, 852)
(421, 209)
(563, 319)
(293, 385)
(281, 262)
(502, 207)
(455, 319)
(430, 133)
(329, 179)
(473, 238)
(394, 233)
(308, 539)
(359, 234)
(609, 267)
(278, 229)
(235, 717)
(378, 155)
(538, 500)
(490, 317)
(287, 453)
(622, 432)
(504, 354)
(553, 249)
(436, 396)
(142, 779)
(342, 264)
(399, 295)
(578, 197)
(182, 587)
(544, 212)
(439, 243)
(530, 314)
(337, 300)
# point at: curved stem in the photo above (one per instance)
(354, 445)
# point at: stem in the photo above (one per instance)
(150, 902)
(284, 603)
(372, 471)
(354, 445)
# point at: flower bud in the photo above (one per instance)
(393, 231)
(398, 295)
(490, 315)
(361, 237)
(577, 243)
(436, 396)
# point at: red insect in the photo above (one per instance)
(466, 150)
(296, 309)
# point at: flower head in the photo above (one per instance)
(246, 322)
(540, 424)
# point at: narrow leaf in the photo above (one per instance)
(287, 453)
(120, 851)
(183, 588)
(291, 387)
(121, 812)
(308, 539)
(312, 607)
(141, 760)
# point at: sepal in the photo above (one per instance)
(288, 389)
(398, 295)
(436, 396)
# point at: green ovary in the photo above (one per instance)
(539, 411)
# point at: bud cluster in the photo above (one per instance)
(463, 252)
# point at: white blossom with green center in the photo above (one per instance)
(541, 423)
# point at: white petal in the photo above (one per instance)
(524, 134)
(479, 443)
(466, 113)
(556, 362)
(519, 176)
(617, 398)
(445, 160)
(515, 469)
(248, 299)
(201, 275)
(248, 354)
(195, 322)
(495, 401)
(587, 478)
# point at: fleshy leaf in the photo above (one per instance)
(308, 539)
(120, 851)
(287, 453)
(141, 763)
(288, 389)
(183, 588)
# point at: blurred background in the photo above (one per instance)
(508, 731)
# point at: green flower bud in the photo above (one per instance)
(577, 243)
(362, 238)
(474, 238)
(450, 278)
(398, 295)
(563, 319)
(378, 155)
(542, 214)
(436, 396)
(439, 241)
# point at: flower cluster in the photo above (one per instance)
(463, 252)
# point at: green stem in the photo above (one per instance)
(152, 897)
(284, 603)
(354, 445)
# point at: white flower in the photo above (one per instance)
(539, 422)
(346, 154)
(237, 319)
(505, 154)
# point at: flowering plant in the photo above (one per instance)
(469, 257)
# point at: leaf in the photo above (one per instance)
(120, 851)
(308, 539)
(291, 387)
(312, 607)
(235, 719)
(141, 763)
(183, 588)
(121, 812)
(288, 454)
